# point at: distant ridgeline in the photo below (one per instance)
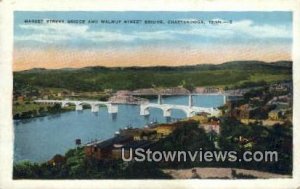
(230, 74)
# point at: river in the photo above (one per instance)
(39, 139)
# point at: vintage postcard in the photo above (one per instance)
(194, 96)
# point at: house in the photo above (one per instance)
(20, 98)
(123, 93)
(244, 111)
(201, 117)
(117, 151)
(256, 100)
(139, 134)
(108, 90)
(279, 87)
(163, 130)
(103, 149)
(212, 90)
(57, 160)
(211, 126)
(45, 97)
(199, 90)
(274, 114)
(232, 104)
(246, 142)
(175, 90)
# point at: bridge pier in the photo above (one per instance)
(78, 107)
(144, 110)
(224, 99)
(166, 112)
(63, 104)
(190, 100)
(190, 113)
(159, 99)
(112, 109)
(94, 108)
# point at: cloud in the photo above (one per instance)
(243, 28)
(249, 28)
(57, 33)
(51, 33)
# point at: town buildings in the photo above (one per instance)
(126, 139)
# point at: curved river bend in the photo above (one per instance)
(39, 139)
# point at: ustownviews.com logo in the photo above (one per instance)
(140, 154)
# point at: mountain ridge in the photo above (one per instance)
(225, 65)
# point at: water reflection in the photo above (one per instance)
(114, 116)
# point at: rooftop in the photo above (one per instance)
(110, 142)
(138, 144)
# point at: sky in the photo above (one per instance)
(265, 36)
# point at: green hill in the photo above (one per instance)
(98, 78)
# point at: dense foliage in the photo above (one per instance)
(276, 138)
(76, 166)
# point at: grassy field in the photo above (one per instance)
(22, 107)
(30, 106)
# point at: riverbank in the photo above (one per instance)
(33, 110)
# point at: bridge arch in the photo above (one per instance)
(166, 109)
(184, 110)
(146, 109)
(65, 103)
(112, 108)
(95, 106)
(82, 103)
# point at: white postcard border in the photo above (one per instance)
(6, 54)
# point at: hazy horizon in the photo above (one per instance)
(152, 66)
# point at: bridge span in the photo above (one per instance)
(112, 108)
(189, 109)
(167, 108)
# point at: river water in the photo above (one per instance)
(39, 139)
